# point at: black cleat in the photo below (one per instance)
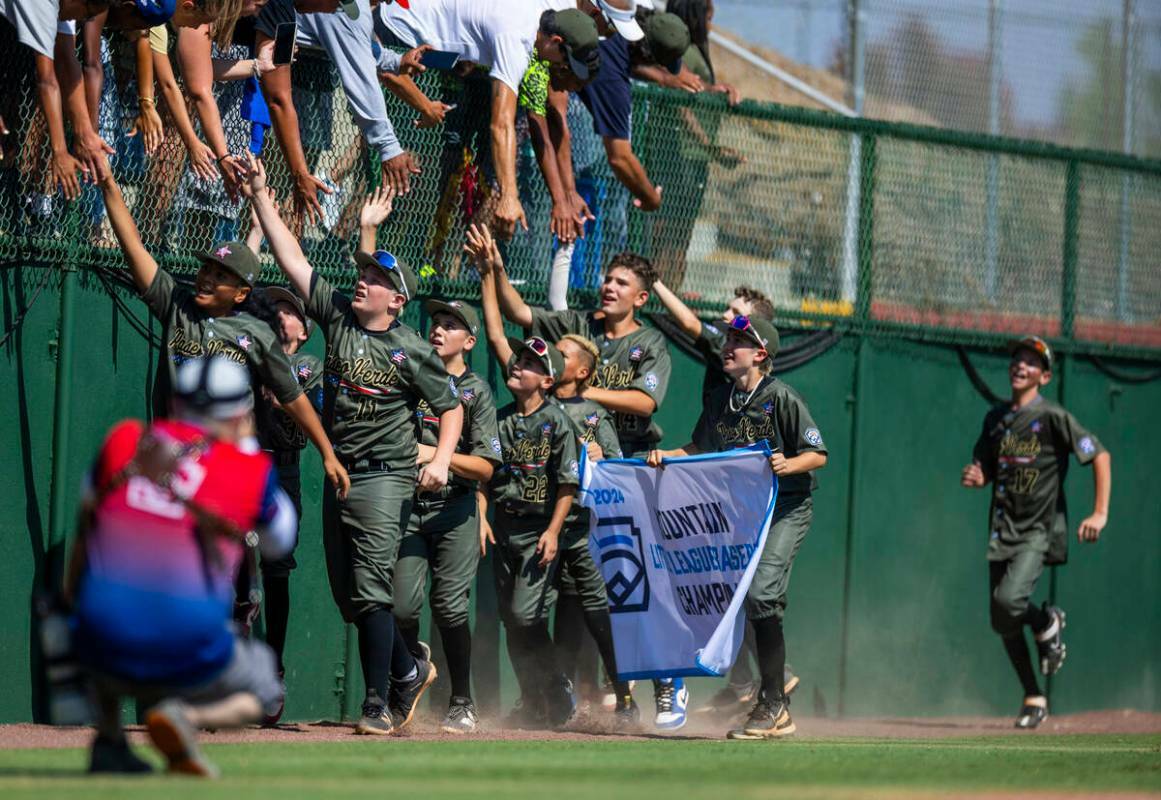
(109, 756)
(528, 714)
(559, 701)
(376, 719)
(403, 698)
(770, 719)
(1050, 644)
(461, 716)
(1032, 713)
(626, 714)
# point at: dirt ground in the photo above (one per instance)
(1124, 721)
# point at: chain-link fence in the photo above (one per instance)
(863, 224)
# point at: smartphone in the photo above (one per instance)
(284, 38)
(439, 59)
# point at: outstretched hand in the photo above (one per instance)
(482, 249)
(254, 177)
(377, 207)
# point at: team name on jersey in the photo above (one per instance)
(745, 431)
(613, 376)
(184, 347)
(1014, 447)
(528, 452)
(362, 372)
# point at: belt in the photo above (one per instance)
(452, 491)
(357, 466)
(283, 458)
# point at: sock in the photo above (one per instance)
(568, 634)
(771, 644)
(403, 666)
(1037, 618)
(276, 598)
(600, 625)
(524, 662)
(410, 634)
(376, 640)
(1021, 659)
(457, 647)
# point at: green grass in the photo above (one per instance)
(604, 769)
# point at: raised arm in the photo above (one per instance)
(376, 208)
(483, 251)
(509, 212)
(201, 157)
(276, 90)
(141, 264)
(287, 252)
(148, 122)
(680, 311)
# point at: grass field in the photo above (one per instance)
(605, 768)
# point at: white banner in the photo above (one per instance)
(678, 548)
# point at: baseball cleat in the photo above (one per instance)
(403, 697)
(626, 714)
(609, 697)
(770, 719)
(560, 701)
(173, 735)
(376, 720)
(461, 717)
(273, 712)
(107, 756)
(671, 698)
(1050, 644)
(1032, 713)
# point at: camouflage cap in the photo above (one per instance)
(237, 258)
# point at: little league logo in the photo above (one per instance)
(651, 382)
(496, 445)
(451, 384)
(813, 437)
(622, 563)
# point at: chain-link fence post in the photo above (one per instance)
(1071, 232)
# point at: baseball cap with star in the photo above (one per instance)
(237, 258)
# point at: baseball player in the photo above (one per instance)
(283, 441)
(1023, 451)
(375, 372)
(578, 573)
(533, 490)
(443, 532)
(759, 407)
(209, 321)
(166, 515)
(630, 382)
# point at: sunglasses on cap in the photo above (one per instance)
(540, 348)
(391, 264)
(742, 324)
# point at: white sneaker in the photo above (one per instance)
(672, 698)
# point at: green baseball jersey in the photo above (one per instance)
(480, 436)
(539, 453)
(593, 424)
(775, 412)
(637, 361)
(241, 337)
(373, 381)
(1025, 453)
(709, 343)
(276, 430)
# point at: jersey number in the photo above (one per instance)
(1025, 480)
(536, 489)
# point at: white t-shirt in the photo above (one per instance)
(35, 22)
(498, 34)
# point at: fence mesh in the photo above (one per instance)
(862, 224)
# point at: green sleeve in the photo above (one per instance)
(326, 305)
(711, 339)
(607, 436)
(271, 364)
(309, 373)
(1083, 444)
(564, 452)
(654, 370)
(798, 426)
(982, 452)
(483, 435)
(551, 325)
(427, 377)
(161, 294)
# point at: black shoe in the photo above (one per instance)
(376, 719)
(1032, 713)
(626, 715)
(461, 717)
(110, 756)
(528, 714)
(559, 701)
(403, 698)
(1050, 643)
(770, 719)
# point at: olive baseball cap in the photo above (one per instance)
(280, 294)
(237, 258)
(581, 43)
(400, 274)
(760, 331)
(544, 352)
(1036, 345)
(668, 38)
(458, 309)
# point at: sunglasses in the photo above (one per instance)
(391, 264)
(540, 348)
(742, 324)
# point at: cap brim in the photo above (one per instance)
(675, 67)
(577, 67)
(211, 258)
(519, 347)
(397, 280)
(351, 9)
(438, 306)
(629, 29)
(1017, 344)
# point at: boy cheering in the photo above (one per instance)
(755, 407)
(1023, 449)
(376, 371)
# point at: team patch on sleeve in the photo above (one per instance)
(1086, 445)
(636, 353)
(712, 329)
(574, 468)
(813, 437)
(451, 384)
(496, 445)
(651, 381)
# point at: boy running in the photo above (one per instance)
(756, 407)
(1023, 448)
(376, 371)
